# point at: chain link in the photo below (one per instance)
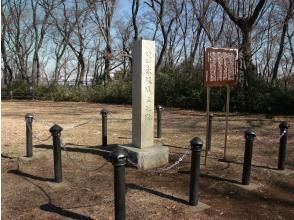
(162, 171)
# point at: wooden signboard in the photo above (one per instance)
(220, 66)
(220, 69)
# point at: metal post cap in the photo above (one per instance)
(104, 111)
(55, 129)
(118, 155)
(250, 134)
(196, 142)
(159, 107)
(284, 125)
(29, 115)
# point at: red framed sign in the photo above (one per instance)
(220, 66)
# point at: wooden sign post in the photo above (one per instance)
(220, 69)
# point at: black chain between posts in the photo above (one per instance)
(79, 125)
(69, 128)
(164, 170)
(63, 146)
(76, 163)
(110, 116)
(159, 171)
(49, 124)
(35, 136)
(269, 141)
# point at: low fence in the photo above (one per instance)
(119, 157)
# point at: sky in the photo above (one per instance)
(124, 7)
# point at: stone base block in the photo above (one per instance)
(200, 207)
(25, 159)
(58, 186)
(249, 187)
(284, 172)
(147, 158)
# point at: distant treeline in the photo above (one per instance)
(82, 50)
(173, 88)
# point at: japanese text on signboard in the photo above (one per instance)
(220, 66)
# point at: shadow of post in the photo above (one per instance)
(97, 150)
(253, 165)
(23, 174)
(66, 213)
(49, 207)
(160, 194)
(219, 178)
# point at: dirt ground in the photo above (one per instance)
(87, 190)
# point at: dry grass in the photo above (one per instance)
(27, 194)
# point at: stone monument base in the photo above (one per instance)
(149, 157)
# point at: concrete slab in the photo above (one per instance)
(286, 172)
(26, 159)
(200, 207)
(58, 186)
(148, 158)
(249, 187)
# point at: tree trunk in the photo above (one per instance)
(82, 69)
(282, 41)
(7, 72)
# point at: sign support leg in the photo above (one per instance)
(227, 122)
(207, 121)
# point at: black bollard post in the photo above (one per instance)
(196, 145)
(119, 160)
(283, 144)
(209, 131)
(56, 132)
(249, 137)
(29, 133)
(159, 110)
(104, 113)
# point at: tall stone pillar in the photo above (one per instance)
(143, 93)
(143, 151)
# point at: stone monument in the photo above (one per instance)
(143, 151)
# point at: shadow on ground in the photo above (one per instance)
(253, 165)
(160, 194)
(97, 150)
(66, 213)
(23, 174)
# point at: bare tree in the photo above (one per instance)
(197, 29)
(124, 35)
(245, 18)
(103, 12)
(73, 32)
(166, 13)
(289, 15)
(135, 9)
(210, 20)
(7, 71)
(60, 34)
(39, 34)
(18, 38)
